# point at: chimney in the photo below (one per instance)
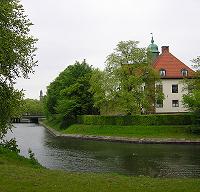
(165, 49)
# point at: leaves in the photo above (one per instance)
(191, 100)
(10, 105)
(16, 45)
(33, 107)
(17, 53)
(120, 87)
(196, 62)
(68, 95)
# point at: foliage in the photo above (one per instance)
(103, 87)
(153, 119)
(16, 45)
(68, 95)
(9, 104)
(33, 107)
(32, 156)
(11, 145)
(12, 157)
(128, 82)
(16, 59)
(192, 99)
(10, 107)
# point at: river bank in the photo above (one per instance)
(127, 134)
(21, 174)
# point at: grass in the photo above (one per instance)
(134, 131)
(22, 175)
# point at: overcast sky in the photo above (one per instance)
(70, 30)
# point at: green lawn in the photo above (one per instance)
(136, 131)
(18, 174)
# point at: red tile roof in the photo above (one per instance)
(171, 65)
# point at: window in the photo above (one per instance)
(175, 88)
(184, 72)
(162, 72)
(159, 104)
(175, 103)
(142, 88)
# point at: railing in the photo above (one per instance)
(28, 119)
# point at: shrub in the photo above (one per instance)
(153, 119)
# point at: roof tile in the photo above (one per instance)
(172, 66)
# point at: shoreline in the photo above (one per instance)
(120, 139)
(21, 174)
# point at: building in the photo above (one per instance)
(172, 72)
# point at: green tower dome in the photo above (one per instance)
(153, 48)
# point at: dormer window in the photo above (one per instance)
(184, 72)
(162, 72)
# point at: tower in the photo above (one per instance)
(41, 95)
(153, 49)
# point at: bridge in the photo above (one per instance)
(28, 119)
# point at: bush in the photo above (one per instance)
(195, 129)
(154, 119)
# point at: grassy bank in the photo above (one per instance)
(20, 174)
(135, 131)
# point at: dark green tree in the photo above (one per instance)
(68, 95)
(17, 51)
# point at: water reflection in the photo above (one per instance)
(93, 156)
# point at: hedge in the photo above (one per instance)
(153, 119)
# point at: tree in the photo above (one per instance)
(68, 95)
(33, 107)
(17, 52)
(191, 100)
(128, 82)
(10, 106)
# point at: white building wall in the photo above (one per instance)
(169, 96)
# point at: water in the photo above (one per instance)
(154, 160)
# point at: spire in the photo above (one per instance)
(152, 41)
(41, 95)
(153, 48)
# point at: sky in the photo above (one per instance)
(73, 30)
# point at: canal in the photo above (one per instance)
(154, 160)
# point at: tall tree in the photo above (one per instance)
(128, 81)
(68, 95)
(17, 52)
